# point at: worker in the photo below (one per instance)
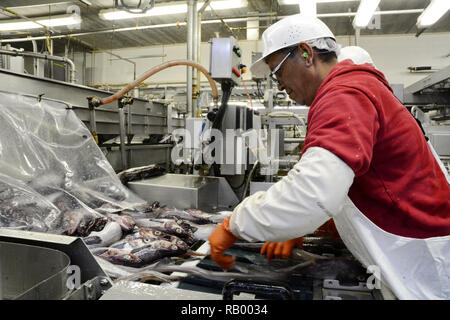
(365, 164)
(357, 54)
(284, 249)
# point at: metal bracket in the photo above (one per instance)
(233, 286)
(334, 284)
(90, 290)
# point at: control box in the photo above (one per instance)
(225, 60)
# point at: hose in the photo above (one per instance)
(157, 69)
(244, 194)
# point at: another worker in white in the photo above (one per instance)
(365, 163)
(357, 54)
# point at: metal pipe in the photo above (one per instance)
(357, 36)
(122, 138)
(35, 50)
(195, 42)
(43, 56)
(189, 44)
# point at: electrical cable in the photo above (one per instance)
(248, 94)
(226, 89)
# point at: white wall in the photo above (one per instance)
(392, 54)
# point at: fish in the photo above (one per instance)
(144, 237)
(193, 215)
(202, 231)
(212, 217)
(172, 227)
(126, 222)
(82, 222)
(23, 208)
(131, 242)
(146, 252)
(119, 272)
(121, 257)
(140, 173)
(111, 233)
(281, 274)
(153, 234)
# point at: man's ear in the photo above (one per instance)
(306, 53)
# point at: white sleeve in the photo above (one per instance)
(312, 192)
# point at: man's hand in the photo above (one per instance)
(281, 250)
(220, 240)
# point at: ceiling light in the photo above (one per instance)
(435, 10)
(308, 7)
(61, 20)
(113, 14)
(365, 13)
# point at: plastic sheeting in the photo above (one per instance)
(53, 176)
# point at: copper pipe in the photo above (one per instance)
(157, 69)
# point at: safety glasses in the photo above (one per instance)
(277, 68)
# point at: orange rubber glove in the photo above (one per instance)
(220, 240)
(281, 250)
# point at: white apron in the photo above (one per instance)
(410, 268)
(441, 165)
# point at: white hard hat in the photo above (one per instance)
(288, 32)
(355, 53)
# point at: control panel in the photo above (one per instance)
(225, 60)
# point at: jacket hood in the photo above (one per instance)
(347, 68)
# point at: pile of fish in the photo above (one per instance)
(55, 179)
(137, 238)
(132, 235)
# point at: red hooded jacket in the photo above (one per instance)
(398, 184)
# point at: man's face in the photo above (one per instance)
(293, 76)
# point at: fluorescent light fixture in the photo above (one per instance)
(435, 10)
(162, 10)
(112, 14)
(61, 20)
(290, 2)
(224, 4)
(308, 7)
(366, 10)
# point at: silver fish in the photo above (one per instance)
(127, 223)
(111, 233)
(153, 234)
(191, 215)
(145, 253)
(176, 228)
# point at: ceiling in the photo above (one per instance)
(98, 34)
